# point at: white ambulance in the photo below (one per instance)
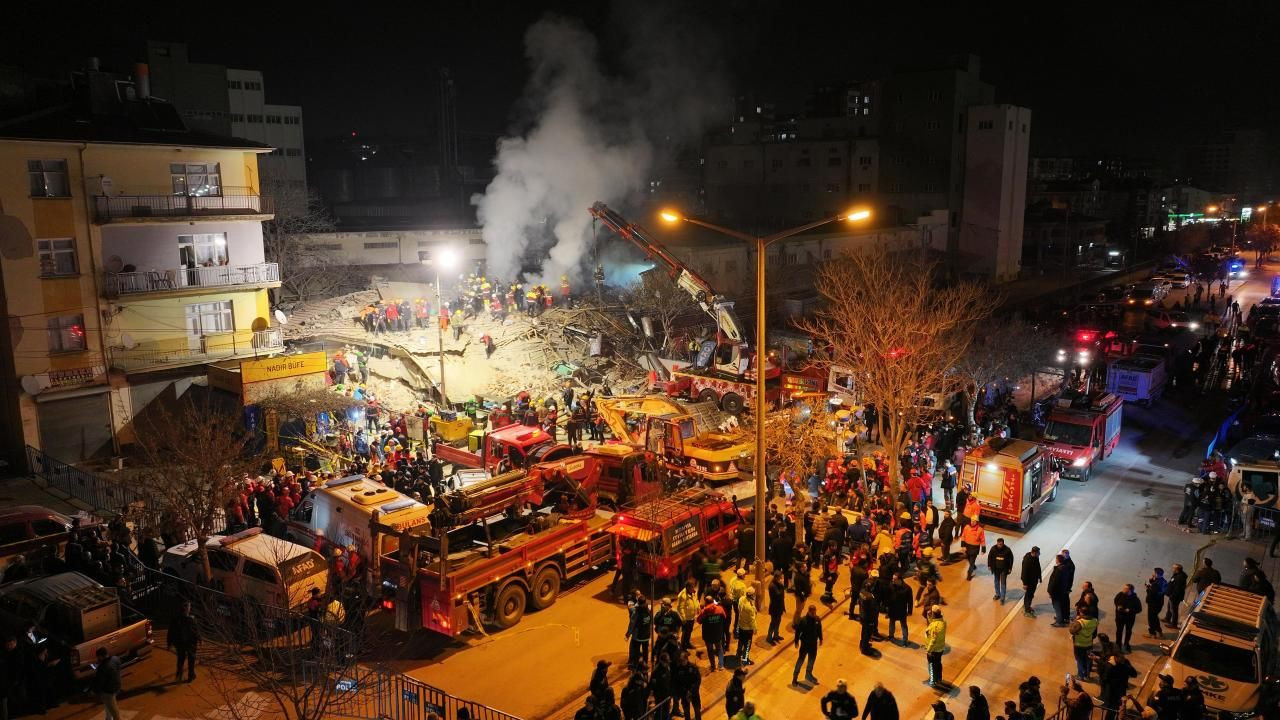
(338, 513)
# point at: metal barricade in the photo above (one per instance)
(400, 697)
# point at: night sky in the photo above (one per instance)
(1100, 77)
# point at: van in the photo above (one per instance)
(1228, 643)
(340, 512)
(251, 564)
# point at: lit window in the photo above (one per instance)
(211, 317)
(48, 178)
(57, 256)
(196, 179)
(202, 250)
(66, 333)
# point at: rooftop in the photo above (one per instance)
(144, 122)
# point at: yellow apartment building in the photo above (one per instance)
(131, 256)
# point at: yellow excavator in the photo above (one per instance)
(694, 440)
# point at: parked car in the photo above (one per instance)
(1149, 294)
(78, 616)
(1114, 294)
(252, 565)
(34, 532)
(1175, 278)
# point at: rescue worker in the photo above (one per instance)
(736, 589)
(746, 626)
(935, 643)
(686, 606)
(974, 540)
(905, 541)
(1083, 630)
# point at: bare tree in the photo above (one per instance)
(884, 318)
(307, 268)
(797, 440)
(657, 297)
(1264, 239)
(1012, 350)
(192, 461)
(298, 667)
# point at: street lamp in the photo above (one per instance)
(762, 242)
(446, 258)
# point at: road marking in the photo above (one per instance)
(1017, 609)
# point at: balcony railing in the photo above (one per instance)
(219, 346)
(230, 201)
(184, 278)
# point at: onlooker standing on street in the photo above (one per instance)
(183, 638)
(1059, 587)
(898, 608)
(1204, 577)
(807, 638)
(688, 684)
(1156, 585)
(1000, 562)
(935, 642)
(1083, 630)
(1175, 591)
(1128, 605)
(979, 708)
(839, 704)
(715, 629)
(869, 617)
(106, 683)
(11, 680)
(1031, 577)
(746, 626)
(640, 633)
(777, 607)
(735, 695)
(880, 705)
(946, 535)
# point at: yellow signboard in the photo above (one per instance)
(252, 371)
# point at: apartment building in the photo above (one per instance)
(132, 257)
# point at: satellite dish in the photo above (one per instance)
(108, 186)
(127, 340)
(115, 264)
(30, 384)
(280, 317)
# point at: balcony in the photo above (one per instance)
(189, 281)
(144, 206)
(198, 351)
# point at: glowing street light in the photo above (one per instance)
(761, 243)
(446, 258)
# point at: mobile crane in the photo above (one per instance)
(723, 368)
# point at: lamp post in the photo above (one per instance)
(761, 243)
(448, 259)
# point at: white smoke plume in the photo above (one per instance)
(591, 136)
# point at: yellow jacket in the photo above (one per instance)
(737, 588)
(686, 605)
(935, 635)
(746, 614)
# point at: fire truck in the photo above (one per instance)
(687, 437)
(665, 533)
(1011, 479)
(494, 549)
(1081, 431)
(507, 448)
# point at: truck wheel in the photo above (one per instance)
(1053, 494)
(508, 606)
(1088, 473)
(708, 395)
(545, 588)
(731, 403)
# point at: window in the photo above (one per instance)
(292, 120)
(258, 571)
(381, 245)
(48, 178)
(273, 119)
(237, 117)
(836, 161)
(57, 256)
(233, 84)
(222, 560)
(293, 152)
(864, 187)
(325, 246)
(66, 333)
(202, 250)
(195, 179)
(45, 526)
(254, 118)
(899, 125)
(13, 533)
(826, 254)
(832, 187)
(935, 95)
(252, 85)
(210, 317)
(931, 124)
(985, 124)
(864, 160)
(777, 163)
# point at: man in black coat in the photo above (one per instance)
(857, 579)
(807, 639)
(946, 535)
(880, 705)
(1059, 587)
(1031, 578)
(184, 636)
(898, 607)
(1128, 605)
(869, 616)
(1176, 592)
(1000, 562)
